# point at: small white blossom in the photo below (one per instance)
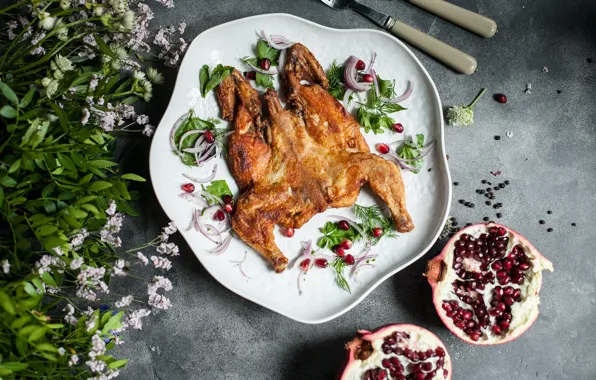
(86, 293)
(128, 20)
(85, 116)
(118, 268)
(63, 63)
(182, 27)
(90, 323)
(96, 366)
(107, 121)
(100, 101)
(159, 282)
(78, 239)
(143, 258)
(52, 88)
(167, 3)
(93, 84)
(74, 360)
(142, 119)
(155, 76)
(159, 302)
(65, 4)
(170, 228)
(138, 75)
(161, 262)
(46, 262)
(163, 237)
(76, 263)
(61, 351)
(149, 130)
(134, 319)
(111, 210)
(5, 266)
(45, 21)
(124, 301)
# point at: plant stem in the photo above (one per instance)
(16, 5)
(477, 97)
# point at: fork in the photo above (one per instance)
(448, 55)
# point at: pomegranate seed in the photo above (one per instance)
(496, 330)
(339, 251)
(517, 293)
(383, 148)
(289, 232)
(252, 75)
(377, 232)
(382, 375)
(349, 259)
(420, 376)
(504, 325)
(504, 280)
(493, 230)
(188, 187)
(467, 314)
(321, 263)
(397, 127)
(508, 291)
(518, 280)
(501, 231)
(451, 313)
(367, 78)
(386, 363)
(343, 225)
(265, 64)
(440, 352)
(227, 199)
(446, 306)
(501, 306)
(475, 336)
(209, 136)
(507, 265)
(360, 65)
(346, 244)
(524, 266)
(228, 208)
(394, 360)
(508, 300)
(500, 98)
(305, 264)
(219, 215)
(496, 266)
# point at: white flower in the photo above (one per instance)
(182, 27)
(101, 101)
(58, 251)
(170, 228)
(85, 116)
(118, 268)
(96, 366)
(164, 237)
(155, 76)
(111, 210)
(134, 319)
(99, 10)
(45, 21)
(63, 63)
(138, 75)
(143, 258)
(90, 323)
(58, 75)
(45, 263)
(52, 88)
(170, 249)
(78, 239)
(5, 266)
(61, 351)
(147, 97)
(161, 262)
(107, 121)
(159, 282)
(99, 346)
(149, 130)
(159, 302)
(74, 360)
(460, 116)
(142, 119)
(69, 316)
(93, 84)
(76, 263)
(128, 20)
(167, 3)
(86, 293)
(65, 4)
(124, 301)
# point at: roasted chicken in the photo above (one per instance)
(292, 164)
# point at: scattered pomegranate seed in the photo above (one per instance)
(227, 199)
(209, 136)
(219, 215)
(346, 244)
(360, 65)
(343, 225)
(339, 251)
(289, 232)
(252, 75)
(367, 78)
(377, 232)
(228, 208)
(500, 98)
(397, 127)
(188, 187)
(383, 148)
(265, 64)
(305, 264)
(349, 259)
(321, 263)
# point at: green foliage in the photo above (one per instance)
(411, 150)
(374, 115)
(263, 51)
(194, 123)
(216, 189)
(209, 82)
(335, 74)
(333, 235)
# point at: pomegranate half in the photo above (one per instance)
(400, 352)
(486, 283)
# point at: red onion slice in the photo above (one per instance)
(203, 157)
(401, 164)
(272, 70)
(222, 248)
(207, 233)
(376, 82)
(371, 65)
(424, 152)
(351, 76)
(346, 99)
(194, 199)
(186, 134)
(275, 41)
(352, 223)
(400, 99)
(206, 195)
(177, 125)
(202, 180)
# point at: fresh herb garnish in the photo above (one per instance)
(463, 116)
(192, 123)
(333, 235)
(335, 74)
(339, 265)
(209, 82)
(374, 114)
(217, 188)
(386, 87)
(410, 150)
(263, 51)
(372, 217)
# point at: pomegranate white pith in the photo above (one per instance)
(400, 352)
(486, 284)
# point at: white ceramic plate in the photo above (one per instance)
(428, 193)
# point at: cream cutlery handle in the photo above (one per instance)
(475, 23)
(447, 54)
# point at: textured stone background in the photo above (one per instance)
(550, 161)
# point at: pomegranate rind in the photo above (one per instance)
(364, 335)
(435, 275)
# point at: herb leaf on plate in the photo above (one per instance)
(335, 74)
(410, 150)
(372, 217)
(374, 115)
(333, 235)
(339, 265)
(194, 123)
(265, 51)
(217, 188)
(209, 82)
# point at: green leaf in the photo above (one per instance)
(14, 366)
(46, 347)
(22, 346)
(335, 74)
(46, 230)
(79, 214)
(9, 182)
(203, 79)
(62, 117)
(15, 165)
(37, 333)
(133, 177)
(49, 206)
(118, 363)
(29, 289)
(65, 161)
(99, 185)
(113, 322)
(91, 208)
(28, 97)
(123, 190)
(130, 100)
(9, 93)
(105, 49)
(218, 188)
(1, 198)
(79, 160)
(48, 189)
(102, 163)
(8, 112)
(71, 220)
(264, 80)
(48, 279)
(85, 199)
(7, 303)
(217, 76)
(265, 51)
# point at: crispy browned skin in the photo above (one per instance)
(296, 163)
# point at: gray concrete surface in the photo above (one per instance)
(551, 163)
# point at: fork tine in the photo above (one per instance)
(328, 2)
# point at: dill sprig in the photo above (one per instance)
(335, 74)
(339, 265)
(372, 217)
